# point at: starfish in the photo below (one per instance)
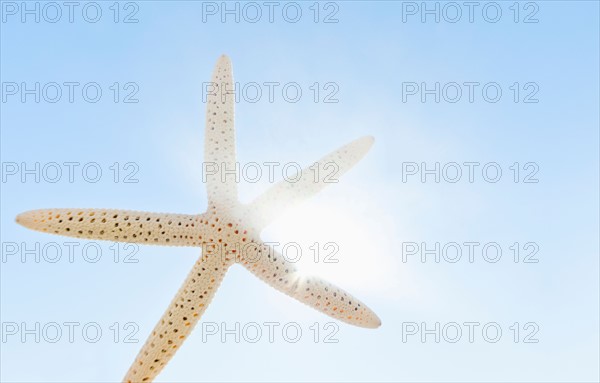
(228, 233)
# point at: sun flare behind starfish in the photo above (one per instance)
(228, 233)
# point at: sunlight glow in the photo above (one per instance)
(338, 245)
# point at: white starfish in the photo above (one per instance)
(228, 233)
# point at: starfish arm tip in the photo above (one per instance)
(375, 322)
(370, 319)
(367, 142)
(25, 219)
(224, 59)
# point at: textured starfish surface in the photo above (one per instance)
(228, 232)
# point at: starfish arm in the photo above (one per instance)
(118, 225)
(275, 270)
(219, 143)
(179, 319)
(284, 194)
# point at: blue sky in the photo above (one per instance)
(370, 56)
